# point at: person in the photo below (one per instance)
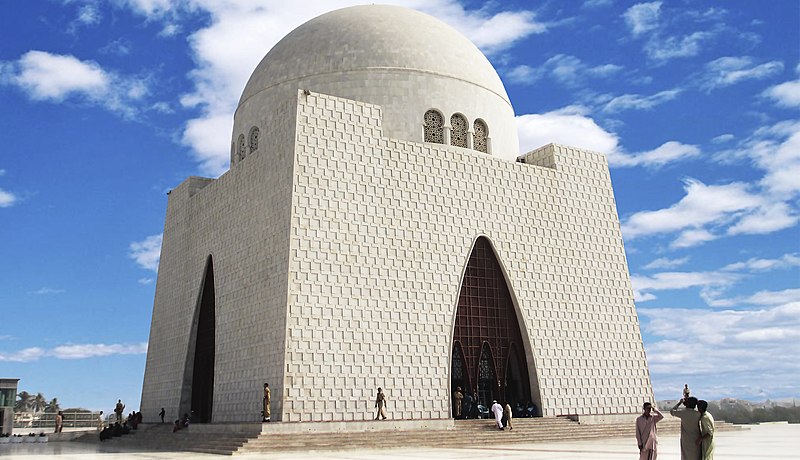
(458, 398)
(100, 424)
(466, 411)
(105, 433)
(119, 409)
(162, 414)
(176, 426)
(380, 404)
(646, 433)
(706, 439)
(507, 416)
(690, 427)
(497, 410)
(686, 391)
(185, 421)
(266, 412)
(59, 422)
(475, 403)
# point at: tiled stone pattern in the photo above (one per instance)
(381, 232)
(338, 254)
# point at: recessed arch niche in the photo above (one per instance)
(488, 341)
(197, 395)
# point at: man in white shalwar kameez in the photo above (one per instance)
(497, 410)
(690, 428)
(646, 433)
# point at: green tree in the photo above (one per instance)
(39, 403)
(52, 406)
(23, 404)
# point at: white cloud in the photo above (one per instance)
(774, 297)
(702, 205)
(567, 70)
(664, 262)
(766, 219)
(145, 281)
(643, 17)
(693, 237)
(785, 94)
(47, 290)
(666, 48)
(639, 102)
(710, 348)
(88, 14)
(666, 153)
(47, 76)
(7, 199)
(73, 351)
(147, 252)
(763, 265)
(722, 138)
(682, 280)
(727, 71)
(51, 77)
(567, 126)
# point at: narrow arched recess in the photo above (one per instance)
(487, 333)
(197, 396)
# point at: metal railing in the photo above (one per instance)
(48, 420)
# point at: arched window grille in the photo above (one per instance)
(479, 136)
(458, 130)
(434, 127)
(254, 139)
(242, 146)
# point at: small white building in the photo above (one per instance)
(378, 227)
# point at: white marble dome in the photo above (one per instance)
(403, 60)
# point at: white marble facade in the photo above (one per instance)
(340, 240)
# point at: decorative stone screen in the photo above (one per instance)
(480, 133)
(458, 130)
(254, 139)
(242, 146)
(434, 127)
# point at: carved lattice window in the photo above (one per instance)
(457, 369)
(242, 146)
(479, 136)
(254, 139)
(434, 127)
(458, 130)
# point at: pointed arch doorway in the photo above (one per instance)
(487, 340)
(198, 394)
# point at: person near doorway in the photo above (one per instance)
(100, 423)
(380, 405)
(497, 410)
(119, 409)
(267, 396)
(646, 433)
(162, 414)
(458, 398)
(507, 416)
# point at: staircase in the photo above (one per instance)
(465, 433)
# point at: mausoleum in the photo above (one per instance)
(378, 227)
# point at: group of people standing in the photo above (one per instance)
(697, 429)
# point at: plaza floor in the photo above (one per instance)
(767, 442)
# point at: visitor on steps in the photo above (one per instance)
(497, 410)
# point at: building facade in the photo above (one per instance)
(378, 228)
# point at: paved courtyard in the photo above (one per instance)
(768, 441)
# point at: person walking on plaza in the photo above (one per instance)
(119, 409)
(59, 422)
(162, 414)
(458, 399)
(266, 414)
(497, 410)
(380, 404)
(690, 428)
(706, 439)
(646, 432)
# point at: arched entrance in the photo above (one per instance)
(487, 334)
(203, 335)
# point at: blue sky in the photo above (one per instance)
(107, 105)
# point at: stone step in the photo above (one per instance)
(475, 432)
